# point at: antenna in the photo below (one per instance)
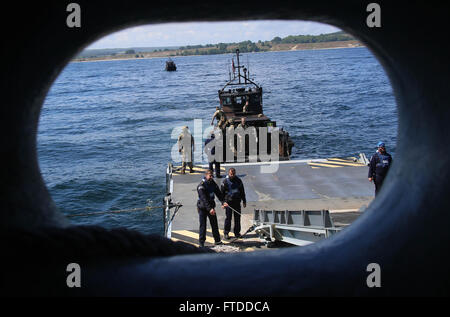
(248, 67)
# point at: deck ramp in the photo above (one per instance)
(339, 185)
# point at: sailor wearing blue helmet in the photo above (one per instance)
(379, 165)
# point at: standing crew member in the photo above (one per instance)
(205, 207)
(233, 193)
(243, 124)
(210, 149)
(230, 144)
(241, 144)
(186, 148)
(379, 166)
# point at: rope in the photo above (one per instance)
(147, 208)
(50, 245)
(178, 206)
(252, 227)
(233, 209)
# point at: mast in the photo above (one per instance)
(238, 66)
(245, 76)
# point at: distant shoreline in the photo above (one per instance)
(298, 47)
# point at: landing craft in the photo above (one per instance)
(241, 98)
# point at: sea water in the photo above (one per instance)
(107, 128)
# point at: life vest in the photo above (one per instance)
(382, 164)
(209, 188)
(212, 150)
(233, 189)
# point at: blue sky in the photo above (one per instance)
(194, 33)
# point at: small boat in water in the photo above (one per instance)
(170, 66)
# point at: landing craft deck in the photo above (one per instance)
(336, 184)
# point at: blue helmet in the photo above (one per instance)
(380, 144)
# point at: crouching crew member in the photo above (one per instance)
(379, 166)
(233, 193)
(205, 207)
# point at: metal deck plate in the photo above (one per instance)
(338, 185)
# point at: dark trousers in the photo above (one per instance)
(237, 219)
(217, 165)
(378, 181)
(183, 166)
(202, 215)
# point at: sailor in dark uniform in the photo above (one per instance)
(205, 207)
(233, 193)
(379, 166)
(210, 150)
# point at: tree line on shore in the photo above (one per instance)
(260, 46)
(224, 48)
